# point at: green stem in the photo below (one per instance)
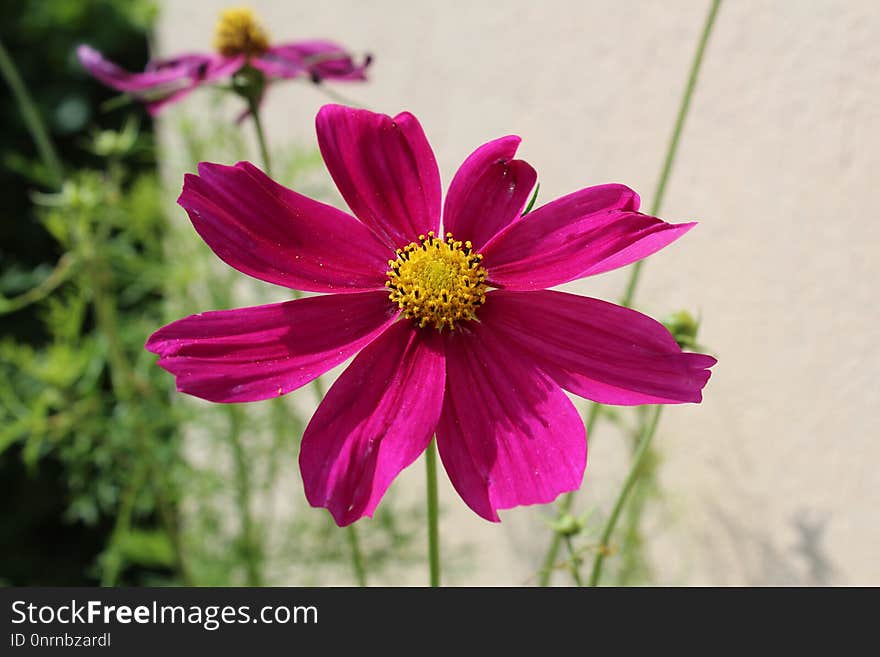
(630, 481)
(337, 97)
(636, 271)
(59, 275)
(672, 148)
(250, 541)
(282, 423)
(171, 523)
(659, 194)
(574, 562)
(632, 564)
(112, 563)
(563, 508)
(254, 106)
(32, 119)
(126, 386)
(357, 558)
(318, 386)
(358, 563)
(433, 513)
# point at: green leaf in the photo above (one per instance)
(146, 547)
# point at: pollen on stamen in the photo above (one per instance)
(436, 282)
(239, 33)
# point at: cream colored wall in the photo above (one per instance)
(774, 478)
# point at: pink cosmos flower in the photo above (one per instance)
(454, 336)
(240, 41)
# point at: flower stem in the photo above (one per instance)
(564, 507)
(254, 106)
(574, 562)
(358, 563)
(636, 271)
(337, 97)
(635, 471)
(433, 513)
(672, 148)
(250, 541)
(126, 385)
(31, 117)
(59, 275)
(357, 557)
(111, 564)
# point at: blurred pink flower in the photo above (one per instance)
(454, 338)
(240, 42)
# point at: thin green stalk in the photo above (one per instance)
(357, 558)
(282, 423)
(634, 472)
(659, 194)
(125, 386)
(563, 508)
(433, 513)
(254, 106)
(31, 116)
(59, 275)
(250, 540)
(251, 545)
(636, 271)
(337, 97)
(672, 148)
(112, 562)
(633, 566)
(171, 523)
(574, 562)
(358, 563)
(106, 319)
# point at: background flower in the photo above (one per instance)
(240, 42)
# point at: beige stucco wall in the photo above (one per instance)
(774, 478)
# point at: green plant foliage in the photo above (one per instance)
(90, 397)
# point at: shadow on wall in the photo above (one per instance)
(765, 562)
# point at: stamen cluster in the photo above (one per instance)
(437, 282)
(239, 33)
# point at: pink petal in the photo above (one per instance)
(217, 68)
(489, 192)
(164, 81)
(596, 349)
(585, 233)
(256, 353)
(198, 67)
(385, 170)
(321, 59)
(280, 63)
(120, 79)
(375, 421)
(272, 233)
(508, 434)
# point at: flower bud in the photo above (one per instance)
(683, 327)
(567, 525)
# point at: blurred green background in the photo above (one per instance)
(54, 523)
(100, 485)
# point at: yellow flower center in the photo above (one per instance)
(239, 33)
(436, 282)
